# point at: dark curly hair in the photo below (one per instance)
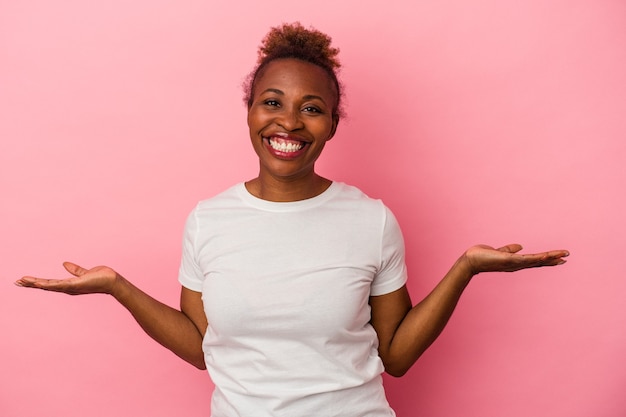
(296, 41)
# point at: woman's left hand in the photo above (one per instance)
(483, 258)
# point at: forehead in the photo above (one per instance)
(295, 76)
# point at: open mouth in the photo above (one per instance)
(285, 145)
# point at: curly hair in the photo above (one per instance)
(296, 41)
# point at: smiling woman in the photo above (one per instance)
(293, 285)
(291, 119)
(294, 106)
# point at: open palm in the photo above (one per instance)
(100, 279)
(483, 258)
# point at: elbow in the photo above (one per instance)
(199, 364)
(397, 364)
(196, 359)
(396, 372)
(398, 367)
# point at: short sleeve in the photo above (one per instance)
(392, 274)
(190, 275)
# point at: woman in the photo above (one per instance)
(293, 286)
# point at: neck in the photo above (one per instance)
(279, 190)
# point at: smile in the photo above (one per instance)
(285, 145)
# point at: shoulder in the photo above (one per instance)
(353, 196)
(226, 198)
(214, 209)
(351, 193)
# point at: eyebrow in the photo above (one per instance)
(282, 93)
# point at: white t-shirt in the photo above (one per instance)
(285, 288)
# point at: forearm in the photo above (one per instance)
(426, 320)
(166, 325)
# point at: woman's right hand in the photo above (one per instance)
(100, 279)
(180, 331)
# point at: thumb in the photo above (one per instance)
(511, 248)
(74, 269)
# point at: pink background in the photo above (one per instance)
(477, 122)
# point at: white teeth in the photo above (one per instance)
(285, 146)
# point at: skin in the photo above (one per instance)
(405, 332)
(294, 101)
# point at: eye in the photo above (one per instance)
(311, 109)
(271, 102)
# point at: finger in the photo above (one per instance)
(511, 248)
(561, 253)
(553, 255)
(23, 282)
(40, 283)
(74, 269)
(26, 281)
(550, 262)
(551, 258)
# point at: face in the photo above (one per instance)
(291, 117)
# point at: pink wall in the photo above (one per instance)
(486, 121)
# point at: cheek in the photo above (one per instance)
(254, 121)
(325, 129)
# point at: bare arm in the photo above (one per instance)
(405, 332)
(181, 331)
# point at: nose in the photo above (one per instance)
(289, 119)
